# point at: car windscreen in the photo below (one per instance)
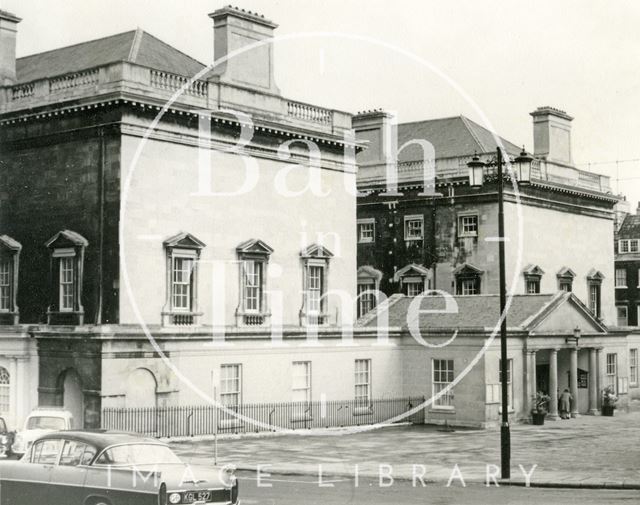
(138, 454)
(3, 426)
(45, 423)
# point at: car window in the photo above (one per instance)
(88, 455)
(138, 454)
(46, 452)
(76, 453)
(46, 423)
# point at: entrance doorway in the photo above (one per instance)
(73, 398)
(542, 378)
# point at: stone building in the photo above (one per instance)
(171, 232)
(144, 191)
(627, 271)
(429, 229)
(452, 347)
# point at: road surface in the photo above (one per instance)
(287, 490)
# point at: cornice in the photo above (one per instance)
(143, 103)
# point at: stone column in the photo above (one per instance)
(14, 380)
(526, 382)
(23, 390)
(553, 384)
(531, 379)
(599, 374)
(573, 384)
(593, 382)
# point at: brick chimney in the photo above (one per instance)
(233, 29)
(552, 134)
(8, 31)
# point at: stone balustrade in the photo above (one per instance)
(128, 80)
(68, 81)
(173, 83)
(306, 112)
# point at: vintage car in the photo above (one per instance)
(6, 438)
(39, 422)
(108, 468)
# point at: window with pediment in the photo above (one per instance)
(532, 277)
(468, 280)
(9, 267)
(253, 259)
(182, 257)
(565, 279)
(413, 279)
(315, 262)
(67, 250)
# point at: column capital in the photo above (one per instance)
(554, 349)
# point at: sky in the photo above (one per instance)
(489, 60)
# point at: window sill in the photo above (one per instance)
(177, 318)
(468, 236)
(250, 319)
(413, 239)
(622, 287)
(366, 241)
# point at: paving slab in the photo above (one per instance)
(590, 451)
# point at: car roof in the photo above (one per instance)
(50, 412)
(100, 439)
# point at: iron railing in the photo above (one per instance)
(193, 420)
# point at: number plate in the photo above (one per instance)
(197, 497)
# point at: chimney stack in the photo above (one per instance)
(379, 128)
(233, 29)
(552, 134)
(8, 32)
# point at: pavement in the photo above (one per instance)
(587, 452)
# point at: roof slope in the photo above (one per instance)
(135, 46)
(479, 311)
(630, 227)
(450, 137)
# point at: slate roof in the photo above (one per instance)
(450, 137)
(479, 311)
(135, 46)
(630, 227)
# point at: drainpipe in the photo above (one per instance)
(101, 170)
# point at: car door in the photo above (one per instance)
(69, 475)
(30, 480)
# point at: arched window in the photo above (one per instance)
(5, 390)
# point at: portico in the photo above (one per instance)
(563, 350)
(577, 378)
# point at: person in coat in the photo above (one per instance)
(565, 404)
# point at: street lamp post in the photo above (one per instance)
(523, 174)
